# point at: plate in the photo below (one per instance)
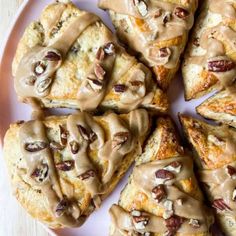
(11, 110)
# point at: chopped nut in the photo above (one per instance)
(95, 84)
(43, 85)
(39, 68)
(30, 80)
(136, 83)
(140, 222)
(164, 174)
(159, 193)
(231, 171)
(86, 175)
(167, 17)
(65, 165)
(100, 54)
(99, 71)
(56, 146)
(35, 146)
(63, 135)
(220, 65)
(195, 223)
(52, 56)
(220, 205)
(84, 133)
(174, 167)
(196, 42)
(61, 207)
(40, 174)
(173, 224)
(141, 6)
(181, 12)
(74, 147)
(119, 88)
(119, 139)
(164, 52)
(109, 49)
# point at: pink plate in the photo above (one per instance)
(12, 110)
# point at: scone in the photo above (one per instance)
(69, 58)
(215, 147)
(61, 168)
(209, 61)
(162, 196)
(220, 107)
(156, 30)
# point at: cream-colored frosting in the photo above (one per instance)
(162, 23)
(145, 179)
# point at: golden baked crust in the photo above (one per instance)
(134, 198)
(220, 107)
(54, 22)
(215, 147)
(141, 30)
(31, 195)
(210, 42)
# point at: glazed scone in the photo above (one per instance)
(220, 107)
(69, 58)
(61, 168)
(156, 30)
(209, 61)
(215, 147)
(162, 196)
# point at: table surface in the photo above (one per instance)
(13, 219)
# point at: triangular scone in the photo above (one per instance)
(156, 30)
(220, 107)
(209, 61)
(162, 196)
(69, 58)
(216, 148)
(62, 167)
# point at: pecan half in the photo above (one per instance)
(39, 68)
(120, 88)
(74, 147)
(173, 224)
(56, 146)
(63, 135)
(52, 56)
(65, 165)
(164, 174)
(35, 146)
(40, 174)
(43, 85)
(231, 171)
(164, 52)
(30, 80)
(181, 12)
(100, 55)
(99, 71)
(159, 193)
(109, 49)
(86, 175)
(220, 204)
(119, 139)
(61, 207)
(220, 65)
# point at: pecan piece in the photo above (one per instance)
(63, 135)
(35, 146)
(86, 175)
(159, 193)
(173, 224)
(109, 48)
(84, 133)
(99, 71)
(119, 88)
(100, 55)
(61, 207)
(174, 167)
(136, 83)
(119, 139)
(65, 165)
(56, 146)
(140, 221)
(164, 52)
(74, 147)
(52, 56)
(220, 65)
(39, 68)
(164, 174)
(220, 204)
(43, 85)
(40, 174)
(181, 12)
(95, 84)
(231, 171)
(30, 80)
